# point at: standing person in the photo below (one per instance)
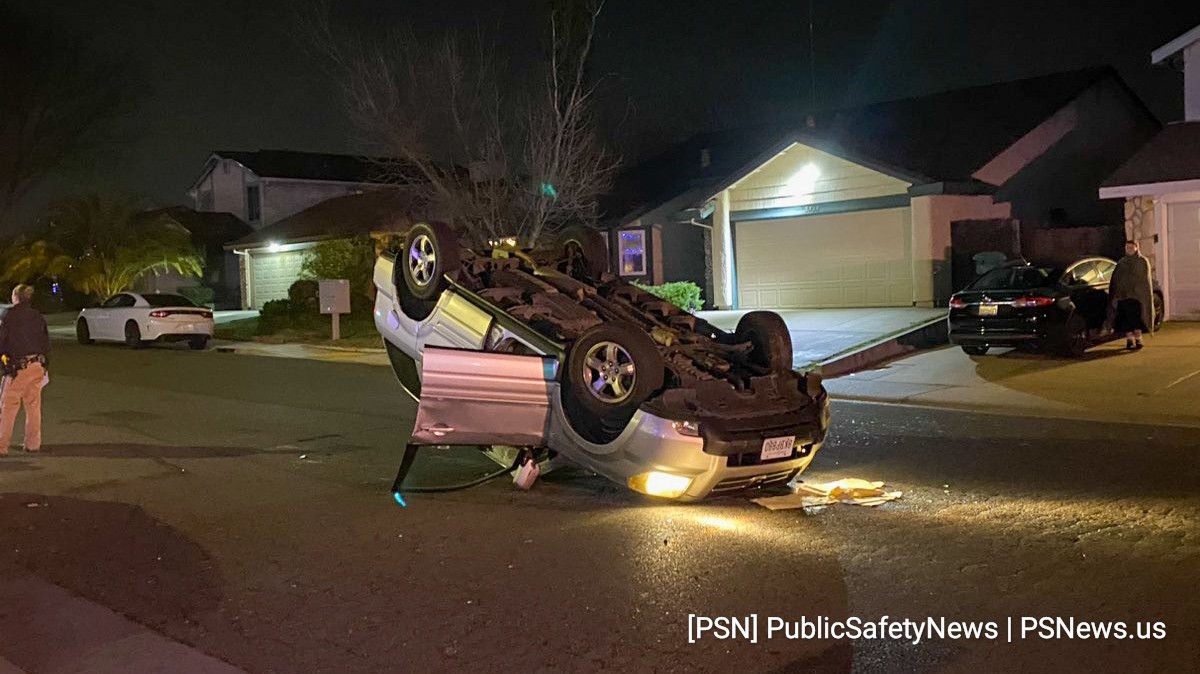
(24, 343)
(1132, 293)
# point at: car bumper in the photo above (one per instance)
(158, 329)
(974, 331)
(651, 444)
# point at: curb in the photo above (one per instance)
(922, 336)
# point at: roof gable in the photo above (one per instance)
(308, 165)
(372, 211)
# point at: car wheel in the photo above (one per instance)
(975, 350)
(198, 343)
(133, 336)
(610, 371)
(1074, 339)
(769, 336)
(584, 253)
(430, 251)
(1159, 309)
(82, 334)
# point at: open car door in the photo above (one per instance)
(483, 398)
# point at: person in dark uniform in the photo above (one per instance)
(24, 345)
(1132, 294)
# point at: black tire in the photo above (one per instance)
(82, 334)
(198, 343)
(1073, 341)
(973, 350)
(772, 343)
(610, 371)
(429, 252)
(1159, 309)
(133, 336)
(584, 253)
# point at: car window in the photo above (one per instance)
(1105, 269)
(1084, 273)
(166, 300)
(1012, 278)
(111, 302)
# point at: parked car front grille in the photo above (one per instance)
(731, 484)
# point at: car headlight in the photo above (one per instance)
(657, 483)
(690, 428)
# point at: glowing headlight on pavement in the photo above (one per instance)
(656, 483)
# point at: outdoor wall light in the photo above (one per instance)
(805, 180)
(274, 247)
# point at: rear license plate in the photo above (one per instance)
(777, 448)
(987, 309)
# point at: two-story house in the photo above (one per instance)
(270, 187)
(1161, 188)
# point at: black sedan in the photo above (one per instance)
(1026, 305)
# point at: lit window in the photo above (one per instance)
(633, 252)
(253, 203)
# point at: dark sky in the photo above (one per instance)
(231, 74)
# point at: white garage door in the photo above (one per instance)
(1183, 260)
(860, 259)
(273, 274)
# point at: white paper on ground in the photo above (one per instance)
(812, 494)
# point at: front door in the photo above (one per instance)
(1183, 260)
(483, 398)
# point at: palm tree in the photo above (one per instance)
(102, 245)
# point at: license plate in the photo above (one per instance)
(987, 309)
(777, 448)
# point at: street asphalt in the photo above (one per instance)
(239, 506)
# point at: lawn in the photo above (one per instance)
(358, 331)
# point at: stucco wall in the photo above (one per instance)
(282, 198)
(227, 185)
(1191, 83)
(931, 218)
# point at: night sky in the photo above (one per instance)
(231, 74)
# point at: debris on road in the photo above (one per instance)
(850, 490)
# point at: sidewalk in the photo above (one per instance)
(1158, 385)
(330, 354)
(48, 630)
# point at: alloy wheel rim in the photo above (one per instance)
(422, 259)
(609, 373)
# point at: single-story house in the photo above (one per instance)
(1161, 188)
(209, 233)
(270, 258)
(854, 208)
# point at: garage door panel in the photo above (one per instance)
(273, 274)
(840, 260)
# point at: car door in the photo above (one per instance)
(1089, 292)
(100, 319)
(483, 398)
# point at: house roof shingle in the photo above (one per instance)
(943, 137)
(207, 228)
(1171, 156)
(373, 211)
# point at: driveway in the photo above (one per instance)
(1158, 385)
(824, 335)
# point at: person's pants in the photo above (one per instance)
(23, 389)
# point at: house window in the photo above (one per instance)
(253, 203)
(632, 250)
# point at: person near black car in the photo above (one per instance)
(1131, 292)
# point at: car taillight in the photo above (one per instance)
(159, 314)
(1032, 301)
(957, 303)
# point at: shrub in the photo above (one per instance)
(274, 315)
(351, 259)
(304, 297)
(199, 295)
(683, 294)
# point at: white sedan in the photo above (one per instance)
(138, 319)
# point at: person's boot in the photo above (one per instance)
(1137, 345)
(1129, 344)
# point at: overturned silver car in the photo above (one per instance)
(547, 349)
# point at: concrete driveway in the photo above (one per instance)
(1158, 385)
(820, 336)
